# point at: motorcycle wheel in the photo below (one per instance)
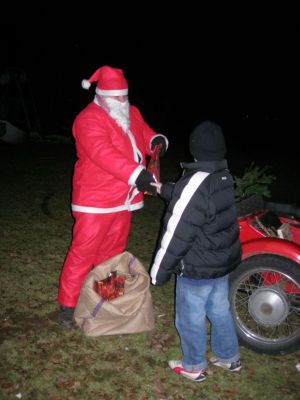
(264, 294)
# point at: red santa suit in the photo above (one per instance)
(104, 191)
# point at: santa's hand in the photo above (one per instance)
(158, 186)
(143, 182)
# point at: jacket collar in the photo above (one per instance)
(205, 166)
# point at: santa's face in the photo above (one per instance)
(118, 109)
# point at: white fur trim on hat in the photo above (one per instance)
(116, 92)
(85, 84)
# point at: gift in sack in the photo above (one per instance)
(131, 311)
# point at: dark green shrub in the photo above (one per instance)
(254, 181)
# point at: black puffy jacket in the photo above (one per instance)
(200, 236)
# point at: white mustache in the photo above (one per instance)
(118, 105)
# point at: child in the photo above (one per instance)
(200, 244)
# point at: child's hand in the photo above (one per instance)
(157, 185)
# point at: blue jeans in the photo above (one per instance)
(193, 304)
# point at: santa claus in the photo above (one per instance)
(112, 141)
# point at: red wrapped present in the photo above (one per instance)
(110, 287)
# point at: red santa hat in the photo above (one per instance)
(110, 82)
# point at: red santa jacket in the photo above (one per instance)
(109, 161)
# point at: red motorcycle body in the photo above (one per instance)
(265, 288)
(255, 241)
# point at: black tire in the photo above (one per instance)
(267, 312)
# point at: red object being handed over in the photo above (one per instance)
(154, 163)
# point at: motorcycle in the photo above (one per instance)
(264, 290)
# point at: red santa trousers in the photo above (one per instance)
(96, 238)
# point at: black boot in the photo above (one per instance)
(66, 317)
(63, 317)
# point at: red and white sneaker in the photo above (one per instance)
(197, 376)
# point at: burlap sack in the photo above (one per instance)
(129, 313)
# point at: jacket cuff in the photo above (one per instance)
(163, 136)
(134, 175)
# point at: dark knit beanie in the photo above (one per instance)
(207, 142)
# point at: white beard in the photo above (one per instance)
(119, 111)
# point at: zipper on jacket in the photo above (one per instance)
(181, 267)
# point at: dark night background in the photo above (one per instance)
(237, 67)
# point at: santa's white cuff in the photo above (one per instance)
(159, 134)
(134, 175)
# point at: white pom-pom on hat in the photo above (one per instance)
(85, 84)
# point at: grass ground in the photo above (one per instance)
(42, 361)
